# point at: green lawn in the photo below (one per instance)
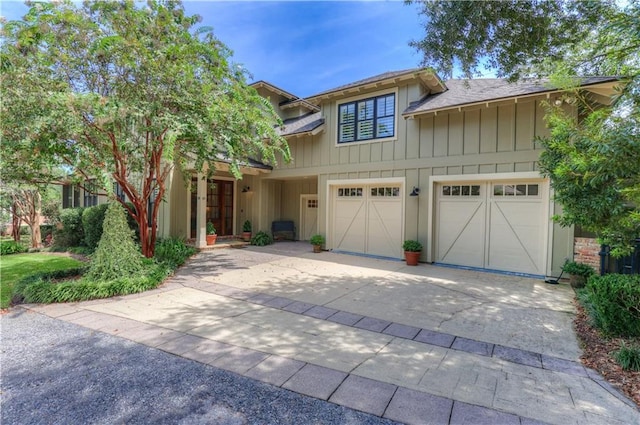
(15, 267)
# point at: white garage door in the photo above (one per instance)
(492, 225)
(368, 219)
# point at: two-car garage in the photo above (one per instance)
(490, 224)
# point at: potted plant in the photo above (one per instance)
(211, 234)
(412, 251)
(578, 273)
(246, 231)
(317, 241)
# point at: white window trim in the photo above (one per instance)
(360, 97)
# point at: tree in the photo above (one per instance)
(122, 93)
(593, 161)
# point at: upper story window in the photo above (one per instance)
(367, 119)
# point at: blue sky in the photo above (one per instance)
(309, 46)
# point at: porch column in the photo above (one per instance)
(201, 211)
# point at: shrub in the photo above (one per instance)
(261, 239)
(578, 269)
(246, 226)
(628, 357)
(210, 229)
(92, 219)
(616, 303)
(25, 231)
(117, 256)
(11, 247)
(173, 252)
(71, 233)
(317, 240)
(412, 246)
(41, 289)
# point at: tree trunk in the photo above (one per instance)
(16, 222)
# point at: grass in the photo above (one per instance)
(17, 266)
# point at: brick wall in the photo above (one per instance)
(586, 251)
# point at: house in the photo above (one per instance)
(401, 155)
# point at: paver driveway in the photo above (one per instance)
(419, 344)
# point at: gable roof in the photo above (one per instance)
(277, 90)
(428, 78)
(461, 93)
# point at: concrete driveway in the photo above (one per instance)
(417, 345)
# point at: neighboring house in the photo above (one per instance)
(465, 150)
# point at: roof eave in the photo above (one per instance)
(600, 88)
(426, 77)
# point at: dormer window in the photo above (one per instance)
(367, 119)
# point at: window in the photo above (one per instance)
(461, 190)
(70, 196)
(90, 194)
(312, 203)
(385, 191)
(367, 119)
(515, 190)
(119, 192)
(354, 192)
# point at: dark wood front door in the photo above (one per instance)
(219, 206)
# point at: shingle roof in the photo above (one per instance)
(465, 92)
(302, 124)
(375, 78)
(249, 162)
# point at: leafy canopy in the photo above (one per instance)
(593, 153)
(123, 91)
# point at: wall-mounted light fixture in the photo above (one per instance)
(415, 191)
(246, 189)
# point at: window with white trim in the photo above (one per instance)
(461, 190)
(530, 190)
(353, 192)
(367, 119)
(389, 192)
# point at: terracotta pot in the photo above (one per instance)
(211, 239)
(246, 236)
(411, 258)
(317, 248)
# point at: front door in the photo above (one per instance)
(219, 206)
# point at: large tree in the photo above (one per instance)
(125, 92)
(593, 157)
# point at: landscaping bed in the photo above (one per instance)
(598, 355)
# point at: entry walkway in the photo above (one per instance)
(413, 344)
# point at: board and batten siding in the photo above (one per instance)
(498, 138)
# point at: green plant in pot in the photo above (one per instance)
(246, 231)
(317, 241)
(211, 234)
(412, 251)
(578, 273)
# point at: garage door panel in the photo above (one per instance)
(461, 235)
(368, 219)
(516, 237)
(384, 235)
(349, 225)
(500, 226)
